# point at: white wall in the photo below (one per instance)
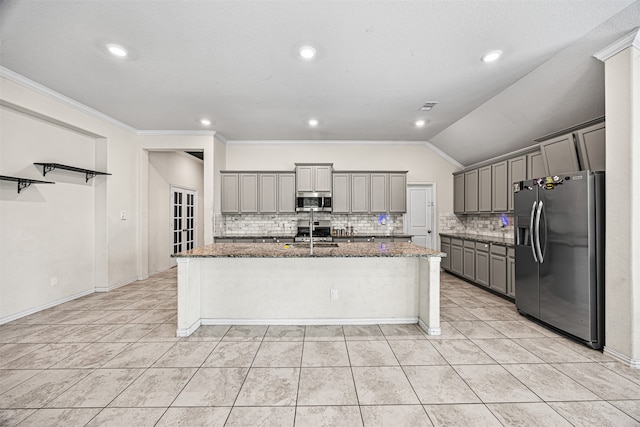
(47, 230)
(168, 168)
(422, 163)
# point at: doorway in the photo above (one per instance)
(420, 216)
(183, 220)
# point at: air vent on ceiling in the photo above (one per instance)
(428, 106)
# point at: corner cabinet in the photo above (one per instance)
(230, 191)
(458, 193)
(591, 147)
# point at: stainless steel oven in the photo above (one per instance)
(321, 231)
(317, 202)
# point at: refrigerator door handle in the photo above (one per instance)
(531, 234)
(538, 215)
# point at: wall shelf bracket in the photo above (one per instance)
(48, 167)
(23, 182)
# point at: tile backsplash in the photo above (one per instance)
(287, 225)
(486, 224)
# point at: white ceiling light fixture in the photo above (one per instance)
(307, 53)
(205, 122)
(491, 56)
(117, 50)
(420, 123)
(313, 122)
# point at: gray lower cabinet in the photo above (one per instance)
(591, 147)
(490, 265)
(511, 272)
(445, 246)
(457, 256)
(469, 260)
(458, 193)
(498, 269)
(482, 263)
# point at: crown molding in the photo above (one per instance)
(320, 141)
(176, 132)
(444, 155)
(631, 39)
(37, 87)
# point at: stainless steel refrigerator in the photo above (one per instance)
(559, 245)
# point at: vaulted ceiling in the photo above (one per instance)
(236, 63)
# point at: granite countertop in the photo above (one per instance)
(301, 250)
(335, 237)
(480, 238)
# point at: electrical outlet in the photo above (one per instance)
(333, 294)
(123, 215)
(54, 281)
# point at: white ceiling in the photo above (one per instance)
(378, 62)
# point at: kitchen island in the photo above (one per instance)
(346, 283)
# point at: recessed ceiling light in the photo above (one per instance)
(205, 122)
(491, 56)
(307, 52)
(117, 50)
(313, 122)
(420, 123)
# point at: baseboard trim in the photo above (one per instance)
(188, 331)
(117, 285)
(633, 363)
(428, 330)
(24, 313)
(319, 321)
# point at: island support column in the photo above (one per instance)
(429, 295)
(188, 296)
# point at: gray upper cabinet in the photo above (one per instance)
(559, 155)
(458, 193)
(397, 192)
(341, 192)
(268, 192)
(378, 184)
(499, 187)
(304, 178)
(591, 147)
(535, 165)
(248, 192)
(484, 189)
(471, 191)
(516, 171)
(360, 192)
(314, 178)
(286, 192)
(230, 190)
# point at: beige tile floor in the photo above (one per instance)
(112, 359)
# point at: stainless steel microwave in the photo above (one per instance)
(317, 202)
